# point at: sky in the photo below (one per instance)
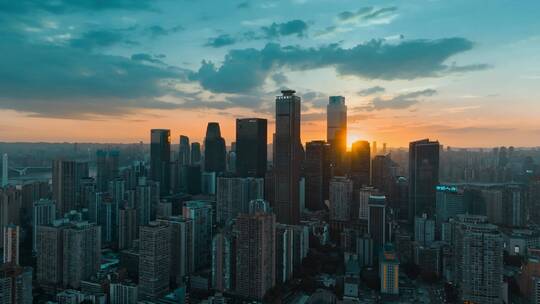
(465, 72)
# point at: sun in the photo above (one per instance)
(351, 138)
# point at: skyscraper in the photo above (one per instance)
(107, 168)
(317, 174)
(15, 284)
(423, 177)
(214, 149)
(360, 164)
(287, 158)
(160, 159)
(127, 227)
(5, 169)
(154, 260)
(44, 213)
(255, 254)
(11, 244)
(200, 212)
(377, 221)
(234, 195)
(341, 196)
(182, 247)
(389, 270)
(184, 151)
(224, 261)
(336, 128)
(479, 260)
(66, 176)
(251, 141)
(195, 153)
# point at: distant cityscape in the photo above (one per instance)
(269, 220)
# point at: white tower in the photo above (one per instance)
(4, 170)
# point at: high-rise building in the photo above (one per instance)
(364, 194)
(256, 248)
(214, 149)
(449, 202)
(182, 247)
(107, 168)
(317, 174)
(287, 158)
(5, 170)
(224, 261)
(200, 212)
(11, 244)
(154, 260)
(234, 195)
(389, 270)
(360, 164)
(123, 293)
(184, 151)
(341, 198)
(377, 221)
(251, 142)
(160, 159)
(108, 220)
(44, 213)
(127, 227)
(68, 252)
(195, 153)
(292, 245)
(478, 251)
(15, 284)
(66, 176)
(424, 230)
(423, 177)
(382, 174)
(336, 129)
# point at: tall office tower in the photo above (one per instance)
(195, 153)
(200, 212)
(194, 177)
(223, 261)
(514, 206)
(423, 177)
(184, 151)
(127, 227)
(108, 220)
(317, 174)
(160, 159)
(154, 260)
(382, 173)
(449, 202)
(147, 199)
(66, 176)
(251, 143)
(377, 221)
(33, 192)
(11, 244)
(336, 130)
(15, 284)
(49, 254)
(341, 198)
(424, 230)
(374, 150)
(534, 199)
(287, 158)
(214, 149)
(10, 207)
(360, 164)
(44, 213)
(123, 293)
(479, 260)
(363, 201)
(256, 272)
(182, 247)
(5, 170)
(389, 270)
(81, 252)
(234, 195)
(292, 246)
(107, 168)
(231, 159)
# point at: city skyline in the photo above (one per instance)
(110, 72)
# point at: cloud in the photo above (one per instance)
(142, 57)
(244, 4)
(99, 38)
(368, 15)
(156, 31)
(280, 78)
(246, 70)
(64, 81)
(401, 101)
(468, 130)
(294, 27)
(64, 6)
(371, 91)
(221, 40)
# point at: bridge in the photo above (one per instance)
(24, 170)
